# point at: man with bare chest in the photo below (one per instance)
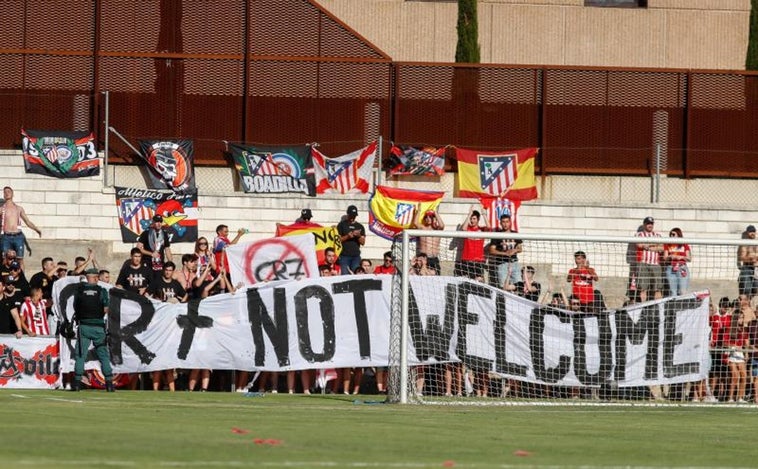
(11, 216)
(430, 245)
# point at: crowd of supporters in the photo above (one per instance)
(658, 267)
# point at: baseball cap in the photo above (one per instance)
(157, 219)
(352, 210)
(306, 214)
(15, 266)
(648, 220)
(92, 272)
(750, 229)
(580, 253)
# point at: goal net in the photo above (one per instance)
(569, 319)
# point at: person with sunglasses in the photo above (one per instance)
(676, 256)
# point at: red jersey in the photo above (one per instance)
(582, 284)
(473, 248)
(35, 317)
(381, 269)
(682, 250)
(219, 244)
(648, 257)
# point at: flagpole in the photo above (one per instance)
(379, 167)
(107, 95)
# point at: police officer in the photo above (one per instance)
(90, 308)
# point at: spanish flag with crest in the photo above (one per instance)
(392, 210)
(497, 174)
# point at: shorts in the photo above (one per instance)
(470, 269)
(649, 277)
(754, 367)
(433, 263)
(13, 241)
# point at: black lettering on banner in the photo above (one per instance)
(465, 318)
(671, 338)
(63, 298)
(434, 340)
(126, 335)
(635, 333)
(277, 329)
(359, 288)
(30, 366)
(604, 349)
(189, 324)
(502, 365)
(326, 309)
(280, 270)
(537, 345)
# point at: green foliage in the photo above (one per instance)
(143, 429)
(751, 61)
(467, 48)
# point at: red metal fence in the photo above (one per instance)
(287, 71)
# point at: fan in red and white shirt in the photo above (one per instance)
(34, 314)
(649, 274)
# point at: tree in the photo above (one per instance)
(467, 49)
(751, 61)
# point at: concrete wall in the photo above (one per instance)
(78, 213)
(696, 34)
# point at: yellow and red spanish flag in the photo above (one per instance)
(497, 174)
(324, 236)
(392, 210)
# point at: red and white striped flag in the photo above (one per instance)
(344, 174)
(496, 207)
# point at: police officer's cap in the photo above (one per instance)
(92, 272)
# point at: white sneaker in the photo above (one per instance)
(67, 387)
(710, 399)
(241, 390)
(274, 391)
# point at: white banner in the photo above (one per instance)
(661, 342)
(339, 322)
(286, 258)
(334, 322)
(28, 362)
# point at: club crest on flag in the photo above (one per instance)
(63, 155)
(264, 164)
(335, 168)
(404, 214)
(497, 173)
(136, 214)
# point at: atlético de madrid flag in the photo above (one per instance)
(60, 154)
(344, 174)
(497, 174)
(392, 210)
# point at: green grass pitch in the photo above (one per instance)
(43, 429)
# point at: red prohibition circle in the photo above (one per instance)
(288, 248)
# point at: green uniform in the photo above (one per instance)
(90, 302)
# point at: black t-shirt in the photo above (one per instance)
(7, 304)
(134, 278)
(162, 240)
(533, 296)
(502, 245)
(165, 290)
(350, 247)
(41, 280)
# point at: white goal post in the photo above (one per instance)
(618, 349)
